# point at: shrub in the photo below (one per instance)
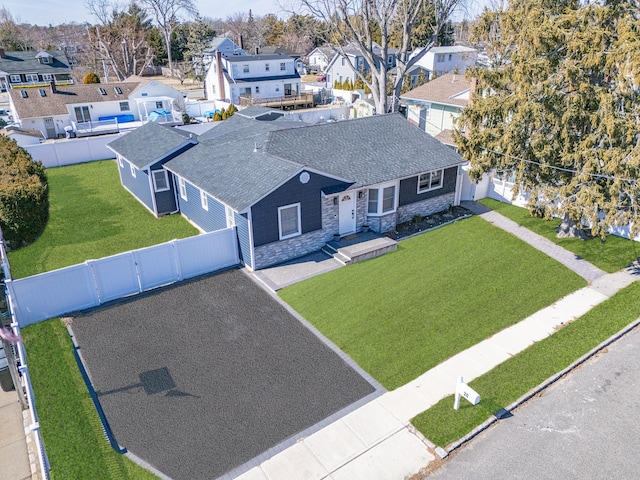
(91, 77)
(24, 195)
(232, 109)
(217, 117)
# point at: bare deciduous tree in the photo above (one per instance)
(365, 25)
(166, 13)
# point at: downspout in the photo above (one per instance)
(153, 192)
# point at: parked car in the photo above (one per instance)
(322, 78)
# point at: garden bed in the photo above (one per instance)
(419, 224)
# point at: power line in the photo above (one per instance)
(562, 169)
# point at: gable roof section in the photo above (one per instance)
(35, 106)
(445, 89)
(150, 143)
(368, 150)
(27, 62)
(13, 129)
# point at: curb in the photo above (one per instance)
(506, 412)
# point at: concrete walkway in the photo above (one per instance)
(569, 259)
(377, 441)
(14, 454)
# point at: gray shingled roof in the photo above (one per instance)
(366, 151)
(56, 103)
(27, 62)
(149, 143)
(256, 110)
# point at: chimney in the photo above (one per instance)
(220, 75)
(1, 52)
(53, 86)
(241, 42)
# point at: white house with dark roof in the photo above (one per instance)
(94, 109)
(343, 67)
(255, 174)
(248, 79)
(221, 44)
(33, 69)
(434, 106)
(440, 60)
(318, 58)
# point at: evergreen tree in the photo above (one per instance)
(561, 111)
(24, 195)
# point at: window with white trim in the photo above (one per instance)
(31, 77)
(15, 79)
(440, 57)
(204, 200)
(382, 200)
(183, 188)
(245, 68)
(120, 162)
(133, 170)
(159, 104)
(47, 77)
(229, 214)
(289, 221)
(124, 107)
(257, 89)
(160, 180)
(283, 67)
(430, 180)
(266, 67)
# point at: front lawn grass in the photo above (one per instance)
(614, 254)
(515, 377)
(92, 216)
(441, 292)
(70, 426)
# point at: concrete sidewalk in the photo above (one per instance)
(14, 454)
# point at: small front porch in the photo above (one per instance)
(359, 246)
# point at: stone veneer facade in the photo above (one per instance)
(425, 207)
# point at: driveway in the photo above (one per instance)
(202, 378)
(584, 426)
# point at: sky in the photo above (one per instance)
(55, 12)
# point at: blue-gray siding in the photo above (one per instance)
(138, 186)
(244, 242)
(264, 214)
(208, 220)
(409, 188)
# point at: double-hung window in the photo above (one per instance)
(382, 200)
(183, 188)
(289, 221)
(31, 77)
(133, 170)
(124, 107)
(204, 200)
(283, 67)
(430, 180)
(160, 180)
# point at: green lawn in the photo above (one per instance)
(70, 426)
(92, 216)
(512, 379)
(441, 292)
(611, 255)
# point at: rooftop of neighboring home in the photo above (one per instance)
(29, 132)
(41, 102)
(452, 49)
(256, 58)
(49, 61)
(448, 89)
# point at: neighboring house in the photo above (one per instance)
(249, 79)
(341, 67)
(434, 106)
(23, 136)
(258, 175)
(94, 109)
(225, 46)
(440, 60)
(319, 58)
(33, 69)
(297, 58)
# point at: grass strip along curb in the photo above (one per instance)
(516, 380)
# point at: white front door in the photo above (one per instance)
(347, 213)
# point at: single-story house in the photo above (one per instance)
(265, 177)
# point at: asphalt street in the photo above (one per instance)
(585, 426)
(200, 378)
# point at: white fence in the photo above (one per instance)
(198, 109)
(70, 151)
(95, 282)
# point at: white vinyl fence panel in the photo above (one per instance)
(71, 151)
(95, 282)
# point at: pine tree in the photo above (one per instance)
(561, 110)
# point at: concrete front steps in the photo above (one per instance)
(359, 246)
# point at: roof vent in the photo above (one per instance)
(24, 94)
(102, 91)
(42, 92)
